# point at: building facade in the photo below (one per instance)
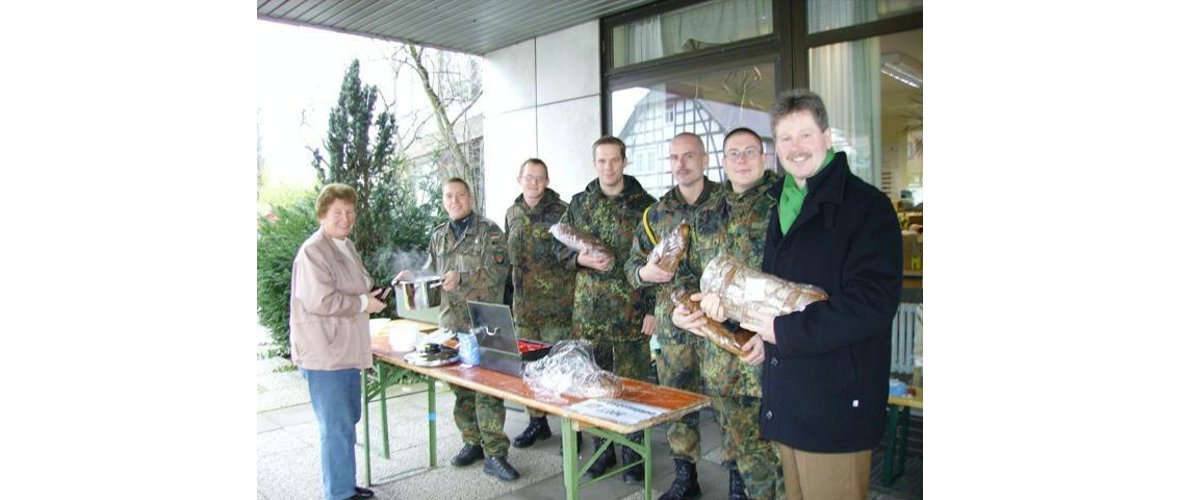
(706, 67)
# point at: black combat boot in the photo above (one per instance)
(499, 467)
(468, 455)
(604, 462)
(685, 485)
(538, 429)
(737, 487)
(629, 456)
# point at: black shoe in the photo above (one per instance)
(604, 462)
(629, 456)
(737, 487)
(499, 467)
(685, 485)
(467, 456)
(363, 493)
(538, 429)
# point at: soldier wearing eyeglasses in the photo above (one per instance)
(678, 363)
(735, 224)
(542, 288)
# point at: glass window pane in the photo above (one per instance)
(692, 28)
(646, 118)
(823, 15)
(873, 92)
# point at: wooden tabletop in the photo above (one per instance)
(511, 388)
(423, 326)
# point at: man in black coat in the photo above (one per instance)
(825, 371)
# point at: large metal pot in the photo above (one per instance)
(420, 293)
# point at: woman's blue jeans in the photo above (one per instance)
(336, 399)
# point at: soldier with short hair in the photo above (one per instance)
(678, 362)
(735, 224)
(470, 253)
(543, 288)
(608, 312)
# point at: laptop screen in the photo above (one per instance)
(498, 319)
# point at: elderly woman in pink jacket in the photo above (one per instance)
(330, 306)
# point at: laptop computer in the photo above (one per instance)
(498, 349)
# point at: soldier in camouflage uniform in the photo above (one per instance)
(543, 289)
(469, 252)
(678, 363)
(736, 225)
(608, 312)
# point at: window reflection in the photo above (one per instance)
(873, 92)
(647, 117)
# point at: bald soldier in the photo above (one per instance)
(678, 363)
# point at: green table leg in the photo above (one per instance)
(905, 440)
(384, 414)
(432, 419)
(569, 458)
(646, 455)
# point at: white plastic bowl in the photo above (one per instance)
(403, 337)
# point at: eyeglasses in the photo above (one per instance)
(749, 153)
(533, 178)
(690, 156)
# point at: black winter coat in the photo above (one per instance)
(826, 382)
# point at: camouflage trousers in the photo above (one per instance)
(678, 366)
(757, 459)
(549, 335)
(480, 419)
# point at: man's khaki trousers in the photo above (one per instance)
(825, 476)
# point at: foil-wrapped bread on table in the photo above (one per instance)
(569, 369)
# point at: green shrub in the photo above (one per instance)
(277, 244)
(392, 226)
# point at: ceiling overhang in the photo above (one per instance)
(471, 26)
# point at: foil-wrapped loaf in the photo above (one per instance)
(569, 369)
(581, 242)
(744, 289)
(670, 250)
(714, 331)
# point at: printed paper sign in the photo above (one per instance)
(616, 410)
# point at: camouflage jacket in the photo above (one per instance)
(481, 259)
(542, 288)
(734, 224)
(662, 217)
(605, 305)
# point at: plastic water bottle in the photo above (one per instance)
(468, 349)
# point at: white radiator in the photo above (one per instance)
(907, 338)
